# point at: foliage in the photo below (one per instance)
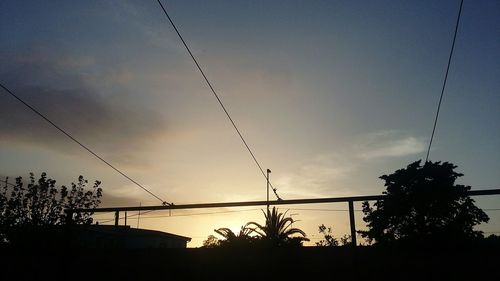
(423, 203)
(211, 242)
(345, 240)
(329, 240)
(232, 239)
(278, 230)
(41, 203)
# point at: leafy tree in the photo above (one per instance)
(41, 203)
(211, 242)
(423, 203)
(329, 240)
(277, 230)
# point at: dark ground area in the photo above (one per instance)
(472, 262)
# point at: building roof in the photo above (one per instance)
(136, 232)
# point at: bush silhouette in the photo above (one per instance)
(277, 231)
(41, 204)
(329, 240)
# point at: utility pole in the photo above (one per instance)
(267, 178)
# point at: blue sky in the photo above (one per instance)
(329, 94)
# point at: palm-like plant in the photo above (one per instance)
(231, 238)
(278, 229)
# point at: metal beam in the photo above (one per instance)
(260, 203)
(353, 224)
(483, 192)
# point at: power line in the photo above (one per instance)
(82, 145)
(199, 214)
(131, 216)
(445, 79)
(216, 95)
(103, 220)
(179, 215)
(102, 214)
(323, 210)
(8, 183)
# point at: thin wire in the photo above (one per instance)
(102, 214)
(199, 214)
(6, 182)
(180, 215)
(222, 212)
(82, 145)
(216, 95)
(445, 79)
(131, 216)
(325, 210)
(106, 221)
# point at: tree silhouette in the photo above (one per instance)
(423, 204)
(41, 203)
(211, 242)
(277, 230)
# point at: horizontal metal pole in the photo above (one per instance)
(483, 192)
(260, 203)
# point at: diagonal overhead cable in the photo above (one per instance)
(216, 96)
(81, 144)
(445, 79)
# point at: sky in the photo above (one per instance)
(329, 95)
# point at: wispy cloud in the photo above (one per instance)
(341, 173)
(319, 176)
(58, 90)
(389, 144)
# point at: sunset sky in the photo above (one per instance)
(328, 94)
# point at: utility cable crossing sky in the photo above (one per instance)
(115, 168)
(82, 145)
(217, 97)
(473, 33)
(445, 79)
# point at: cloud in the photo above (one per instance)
(41, 56)
(389, 144)
(317, 177)
(108, 199)
(56, 88)
(344, 172)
